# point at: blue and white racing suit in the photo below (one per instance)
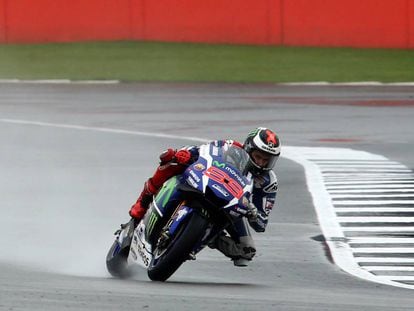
(240, 244)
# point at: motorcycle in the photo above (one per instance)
(188, 213)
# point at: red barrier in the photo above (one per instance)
(71, 20)
(3, 12)
(410, 32)
(356, 23)
(367, 23)
(222, 21)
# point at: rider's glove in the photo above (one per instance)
(182, 156)
(172, 156)
(167, 156)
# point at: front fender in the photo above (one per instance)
(180, 216)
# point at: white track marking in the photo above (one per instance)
(102, 129)
(315, 83)
(329, 170)
(57, 81)
(373, 209)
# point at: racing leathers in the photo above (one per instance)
(238, 244)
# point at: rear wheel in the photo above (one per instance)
(171, 252)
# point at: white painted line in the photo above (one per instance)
(362, 83)
(362, 171)
(370, 183)
(389, 268)
(400, 84)
(315, 83)
(363, 196)
(372, 190)
(350, 175)
(398, 278)
(58, 81)
(374, 209)
(379, 250)
(361, 166)
(374, 219)
(374, 202)
(95, 81)
(379, 240)
(101, 129)
(379, 229)
(384, 259)
(367, 163)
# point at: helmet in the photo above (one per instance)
(263, 147)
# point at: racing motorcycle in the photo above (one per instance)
(190, 211)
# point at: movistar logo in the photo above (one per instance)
(218, 164)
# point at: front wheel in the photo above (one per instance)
(116, 260)
(117, 257)
(171, 252)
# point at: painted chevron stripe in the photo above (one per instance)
(365, 206)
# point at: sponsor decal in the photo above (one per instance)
(199, 167)
(166, 191)
(194, 175)
(221, 190)
(218, 164)
(270, 188)
(142, 254)
(181, 213)
(225, 180)
(214, 151)
(237, 176)
(192, 182)
(151, 222)
(270, 149)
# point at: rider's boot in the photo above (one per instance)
(139, 209)
(151, 187)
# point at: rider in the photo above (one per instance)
(263, 147)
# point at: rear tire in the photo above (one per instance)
(178, 249)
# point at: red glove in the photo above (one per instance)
(167, 156)
(183, 156)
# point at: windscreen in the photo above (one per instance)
(236, 157)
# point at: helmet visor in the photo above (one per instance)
(263, 160)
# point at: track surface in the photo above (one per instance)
(64, 191)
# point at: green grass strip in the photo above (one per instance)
(186, 62)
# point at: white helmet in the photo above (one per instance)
(265, 141)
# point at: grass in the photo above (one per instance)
(186, 62)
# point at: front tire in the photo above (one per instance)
(168, 259)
